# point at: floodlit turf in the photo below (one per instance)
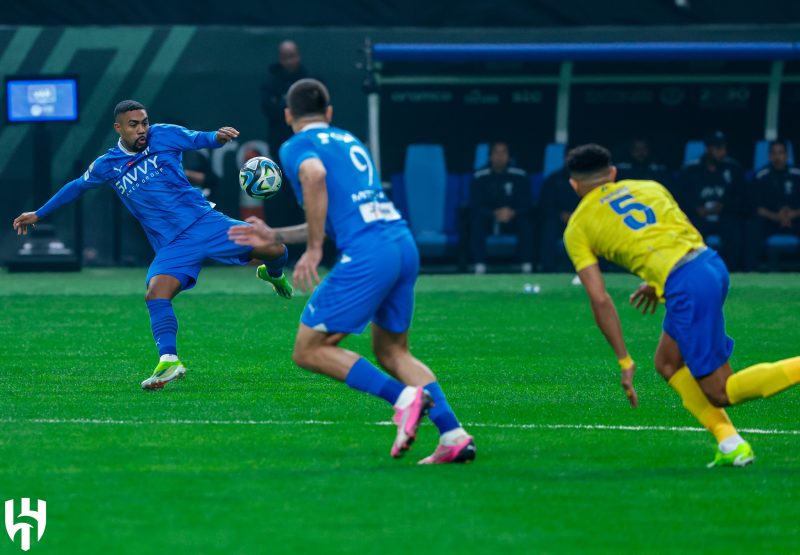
(252, 455)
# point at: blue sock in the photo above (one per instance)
(164, 325)
(441, 414)
(275, 266)
(363, 376)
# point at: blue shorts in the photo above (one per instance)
(374, 283)
(206, 238)
(694, 295)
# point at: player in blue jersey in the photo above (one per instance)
(145, 171)
(334, 179)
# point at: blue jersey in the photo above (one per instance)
(151, 183)
(359, 213)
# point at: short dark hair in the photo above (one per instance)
(781, 142)
(127, 106)
(588, 159)
(307, 97)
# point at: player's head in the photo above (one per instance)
(131, 124)
(778, 154)
(289, 56)
(499, 156)
(716, 146)
(307, 101)
(589, 167)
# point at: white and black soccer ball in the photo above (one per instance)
(260, 177)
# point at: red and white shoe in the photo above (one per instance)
(461, 452)
(408, 419)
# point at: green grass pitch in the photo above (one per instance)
(251, 455)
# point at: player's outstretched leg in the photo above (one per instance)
(164, 324)
(762, 380)
(732, 450)
(272, 272)
(391, 349)
(319, 351)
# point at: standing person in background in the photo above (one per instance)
(283, 209)
(500, 202)
(711, 192)
(280, 76)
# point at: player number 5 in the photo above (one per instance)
(647, 216)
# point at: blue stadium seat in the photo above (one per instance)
(553, 158)
(761, 154)
(481, 156)
(693, 151)
(779, 245)
(429, 199)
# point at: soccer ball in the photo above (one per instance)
(260, 177)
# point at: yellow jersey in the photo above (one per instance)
(635, 224)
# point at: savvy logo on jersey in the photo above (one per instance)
(139, 175)
(24, 528)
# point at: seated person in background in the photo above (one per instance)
(640, 164)
(777, 198)
(558, 202)
(500, 203)
(711, 195)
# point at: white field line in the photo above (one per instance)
(179, 422)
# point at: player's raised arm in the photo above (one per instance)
(64, 196)
(180, 138)
(315, 201)
(605, 314)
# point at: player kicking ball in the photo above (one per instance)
(373, 281)
(639, 226)
(145, 171)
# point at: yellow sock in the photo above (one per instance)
(695, 401)
(763, 380)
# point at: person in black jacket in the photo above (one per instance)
(280, 76)
(711, 195)
(640, 165)
(500, 203)
(283, 209)
(776, 194)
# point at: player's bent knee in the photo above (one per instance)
(718, 398)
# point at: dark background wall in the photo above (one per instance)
(207, 76)
(406, 13)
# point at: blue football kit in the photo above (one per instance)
(374, 277)
(180, 224)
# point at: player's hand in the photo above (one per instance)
(24, 220)
(644, 299)
(305, 276)
(257, 234)
(225, 134)
(627, 385)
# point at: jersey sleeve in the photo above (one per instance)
(91, 179)
(578, 248)
(294, 152)
(175, 137)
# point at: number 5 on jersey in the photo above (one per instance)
(646, 215)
